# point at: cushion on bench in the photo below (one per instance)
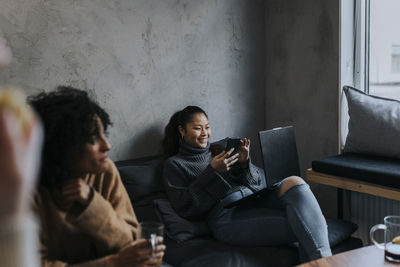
(372, 169)
(374, 124)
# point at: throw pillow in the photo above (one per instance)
(176, 227)
(143, 181)
(374, 124)
(339, 230)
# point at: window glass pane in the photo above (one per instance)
(384, 67)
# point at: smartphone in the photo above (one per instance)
(233, 143)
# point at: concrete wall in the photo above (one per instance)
(143, 60)
(302, 78)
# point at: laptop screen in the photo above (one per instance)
(279, 153)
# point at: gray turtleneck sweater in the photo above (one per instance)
(194, 187)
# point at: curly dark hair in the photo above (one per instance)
(69, 119)
(170, 143)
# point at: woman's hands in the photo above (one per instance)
(139, 253)
(222, 162)
(244, 151)
(76, 190)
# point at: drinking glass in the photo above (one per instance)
(391, 244)
(151, 230)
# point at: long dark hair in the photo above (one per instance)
(172, 136)
(68, 116)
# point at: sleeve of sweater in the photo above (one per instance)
(47, 262)
(41, 251)
(253, 177)
(193, 199)
(18, 241)
(109, 217)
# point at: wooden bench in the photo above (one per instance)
(342, 183)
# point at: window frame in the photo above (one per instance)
(361, 44)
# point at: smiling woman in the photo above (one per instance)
(203, 184)
(177, 128)
(197, 131)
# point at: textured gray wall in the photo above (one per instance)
(302, 78)
(143, 60)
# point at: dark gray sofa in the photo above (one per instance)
(143, 181)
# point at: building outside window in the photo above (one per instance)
(381, 31)
(396, 59)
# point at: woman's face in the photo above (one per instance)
(94, 157)
(197, 131)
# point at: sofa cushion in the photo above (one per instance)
(339, 230)
(367, 168)
(146, 213)
(374, 124)
(176, 227)
(143, 181)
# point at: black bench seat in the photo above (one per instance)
(371, 169)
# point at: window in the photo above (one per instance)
(377, 47)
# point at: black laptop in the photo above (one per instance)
(279, 155)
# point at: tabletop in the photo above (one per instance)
(365, 257)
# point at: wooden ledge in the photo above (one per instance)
(353, 185)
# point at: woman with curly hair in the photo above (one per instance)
(202, 184)
(85, 212)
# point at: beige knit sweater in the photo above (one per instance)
(106, 225)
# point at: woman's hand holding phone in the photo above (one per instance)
(244, 152)
(223, 161)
